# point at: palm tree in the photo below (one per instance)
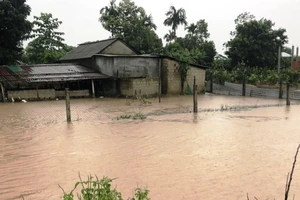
(107, 13)
(175, 18)
(170, 36)
(191, 28)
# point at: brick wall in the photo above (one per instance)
(171, 82)
(140, 86)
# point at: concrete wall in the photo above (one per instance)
(73, 93)
(106, 65)
(139, 86)
(32, 94)
(128, 67)
(118, 48)
(171, 81)
(45, 94)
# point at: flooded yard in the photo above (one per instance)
(216, 154)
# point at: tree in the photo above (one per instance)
(291, 78)
(48, 45)
(185, 58)
(14, 29)
(196, 42)
(130, 23)
(170, 36)
(198, 31)
(255, 42)
(175, 18)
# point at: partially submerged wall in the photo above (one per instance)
(44, 94)
(139, 86)
(171, 81)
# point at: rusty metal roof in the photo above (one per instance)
(47, 73)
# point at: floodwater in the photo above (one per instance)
(174, 153)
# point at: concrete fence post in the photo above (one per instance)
(195, 93)
(93, 89)
(68, 108)
(2, 92)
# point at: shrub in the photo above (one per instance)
(101, 189)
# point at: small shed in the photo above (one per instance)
(46, 80)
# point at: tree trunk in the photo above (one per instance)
(182, 87)
(288, 102)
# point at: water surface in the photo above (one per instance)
(174, 153)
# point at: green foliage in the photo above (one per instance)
(14, 29)
(141, 194)
(290, 76)
(136, 116)
(130, 23)
(201, 51)
(255, 42)
(101, 189)
(48, 46)
(254, 76)
(174, 19)
(218, 73)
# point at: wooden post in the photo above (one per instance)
(279, 59)
(244, 86)
(195, 93)
(37, 92)
(292, 59)
(2, 92)
(288, 102)
(68, 108)
(159, 80)
(93, 89)
(280, 89)
(211, 82)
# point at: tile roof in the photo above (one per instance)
(88, 50)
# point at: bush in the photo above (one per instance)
(100, 189)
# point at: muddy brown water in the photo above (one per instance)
(174, 153)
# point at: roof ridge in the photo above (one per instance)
(92, 42)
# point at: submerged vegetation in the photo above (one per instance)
(135, 116)
(101, 189)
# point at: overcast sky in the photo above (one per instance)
(80, 17)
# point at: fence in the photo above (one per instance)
(252, 91)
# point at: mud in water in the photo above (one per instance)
(232, 147)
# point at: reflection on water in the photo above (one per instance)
(175, 153)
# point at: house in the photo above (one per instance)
(102, 68)
(131, 72)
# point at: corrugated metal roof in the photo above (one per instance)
(88, 50)
(47, 73)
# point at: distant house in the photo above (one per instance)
(102, 68)
(131, 72)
